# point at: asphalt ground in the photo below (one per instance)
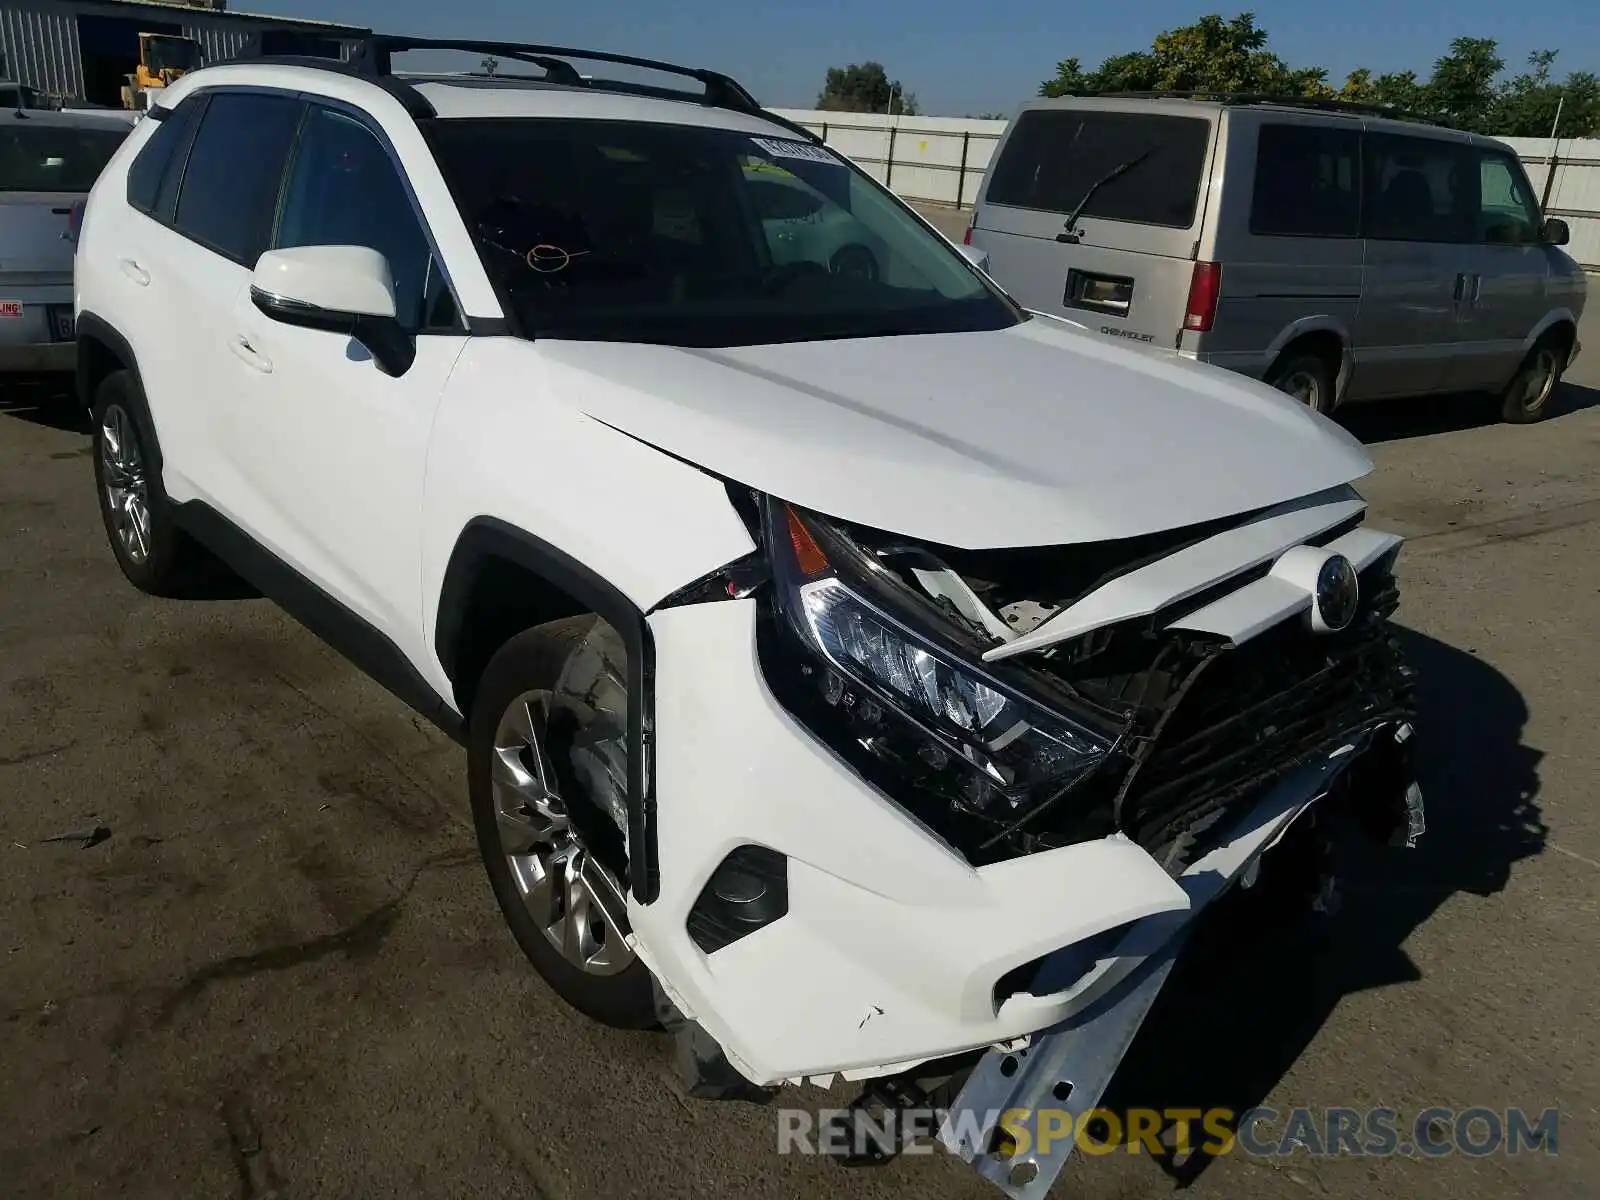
(282, 972)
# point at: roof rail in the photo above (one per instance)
(1313, 102)
(371, 57)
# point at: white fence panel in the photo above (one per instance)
(937, 159)
(941, 160)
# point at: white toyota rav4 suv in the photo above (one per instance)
(856, 671)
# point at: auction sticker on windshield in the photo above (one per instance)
(786, 149)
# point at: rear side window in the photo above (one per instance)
(39, 157)
(1420, 189)
(230, 186)
(1308, 182)
(153, 162)
(1053, 157)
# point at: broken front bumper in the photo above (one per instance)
(1064, 1070)
(893, 950)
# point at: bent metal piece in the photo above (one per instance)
(1067, 1068)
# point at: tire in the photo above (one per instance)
(1527, 397)
(516, 806)
(1309, 378)
(154, 554)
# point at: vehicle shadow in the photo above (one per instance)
(1232, 1020)
(1397, 420)
(43, 400)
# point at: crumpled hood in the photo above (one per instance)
(1038, 434)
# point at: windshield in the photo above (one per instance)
(682, 235)
(1053, 158)
(35, 157)
(171, 54)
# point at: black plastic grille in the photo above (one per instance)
(1246, 716)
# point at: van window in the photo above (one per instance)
(1308, 182)
(1054, 156)
(1420, 189)
(54, 158)
(1507, 215)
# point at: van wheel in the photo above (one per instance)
(1527, 396)
(1307, 377)
(567, 911)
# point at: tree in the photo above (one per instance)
(866, 88)
(1527, 105)
(1212, 55)
(1464, 91)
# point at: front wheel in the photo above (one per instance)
(565, 907)
(1527, 397)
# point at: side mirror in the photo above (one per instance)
(978, 258)
(337, 289)
(1555, 232)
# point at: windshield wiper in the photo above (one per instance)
(1115, 172)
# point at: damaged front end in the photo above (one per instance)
(1137, 727)
(1105, 738)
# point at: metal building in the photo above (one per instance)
(81, 50)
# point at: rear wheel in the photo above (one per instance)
(565, 907)
(1527, 397)
(1308, 377)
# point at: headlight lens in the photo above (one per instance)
(1014, 743)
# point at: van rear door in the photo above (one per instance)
(1135, 176)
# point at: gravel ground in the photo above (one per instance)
(283, 974)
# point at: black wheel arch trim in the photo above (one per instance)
(362, 643)
(488, 537)
(93, 328)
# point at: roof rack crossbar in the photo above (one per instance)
(370, 57)
(374, 55)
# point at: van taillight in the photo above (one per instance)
(1205, 285)
(966, 238)
(75, 222)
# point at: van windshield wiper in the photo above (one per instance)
(1115, 172)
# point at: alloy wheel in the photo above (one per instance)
(126, 485)
(567, 892)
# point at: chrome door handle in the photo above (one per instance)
(1477, 288)
(247, 354)
(135, 272)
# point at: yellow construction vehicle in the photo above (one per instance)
(163, 58)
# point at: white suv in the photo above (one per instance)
(854, 669)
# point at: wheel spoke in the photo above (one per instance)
(572, 899)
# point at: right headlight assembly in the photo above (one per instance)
(871, 656)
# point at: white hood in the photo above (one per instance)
(1034, 435)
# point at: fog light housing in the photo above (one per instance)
(748, 891)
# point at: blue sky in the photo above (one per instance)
(976, 55)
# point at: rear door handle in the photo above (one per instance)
(247, 354)
(1461, 287)
(1477, 289)
(135, 272)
